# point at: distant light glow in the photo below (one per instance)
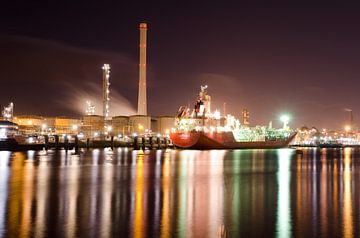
(3, 133)
(285, 119)
(283, 221)
(90, 108)
(217, 115)
(7, 113)
(347, 128)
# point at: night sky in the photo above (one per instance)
(303, 59)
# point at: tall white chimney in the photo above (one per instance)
(142, 104)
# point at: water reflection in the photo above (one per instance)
(105, 193)
(4, 174)
(42, 194)
(330, 178)
(283, 222)
(139, 195)
(347, 217)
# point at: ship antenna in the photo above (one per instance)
(224, 108)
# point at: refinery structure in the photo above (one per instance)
(105, 126)
(102, 126)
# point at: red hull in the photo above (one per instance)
(224, 140)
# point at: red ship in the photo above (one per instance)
(202, 129)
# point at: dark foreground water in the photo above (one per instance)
(125, 193)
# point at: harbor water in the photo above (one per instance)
(180, 193)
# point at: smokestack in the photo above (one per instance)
(142, 104)
(106, 91)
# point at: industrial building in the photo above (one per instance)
(32, 124)
(120, 125)
(165, 123)
(92, 125)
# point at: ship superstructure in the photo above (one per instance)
(202, 128)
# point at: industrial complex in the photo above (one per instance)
(100, 126)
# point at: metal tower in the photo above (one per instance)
(142, 104)
(8, 111)
(90, 108)
(106, 91)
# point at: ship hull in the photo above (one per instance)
(224, 140)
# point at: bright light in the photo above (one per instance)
(134, 134)
(141, 127)
(2, 133)
(43, 126)
(29, 122)
(109, 128)
(217, 115)
(167, 131)
(75, 127)
(31, 140)
(285, 118)
(90, 109)
(347, 128)
(96, 134)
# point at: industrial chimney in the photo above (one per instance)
(142, 104)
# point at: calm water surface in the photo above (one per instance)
(219, 193)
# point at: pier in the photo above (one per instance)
(74, 142)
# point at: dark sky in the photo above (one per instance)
(301, 58)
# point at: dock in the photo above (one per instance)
(73, 142)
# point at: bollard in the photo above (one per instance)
(66, 143)
(76, 144)
(166, 142)
(151, 142)
(56, 142)
(158, 142)
(143, 143)
(87, 143)
(136, 144)
(112, 142)
(46, 142)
